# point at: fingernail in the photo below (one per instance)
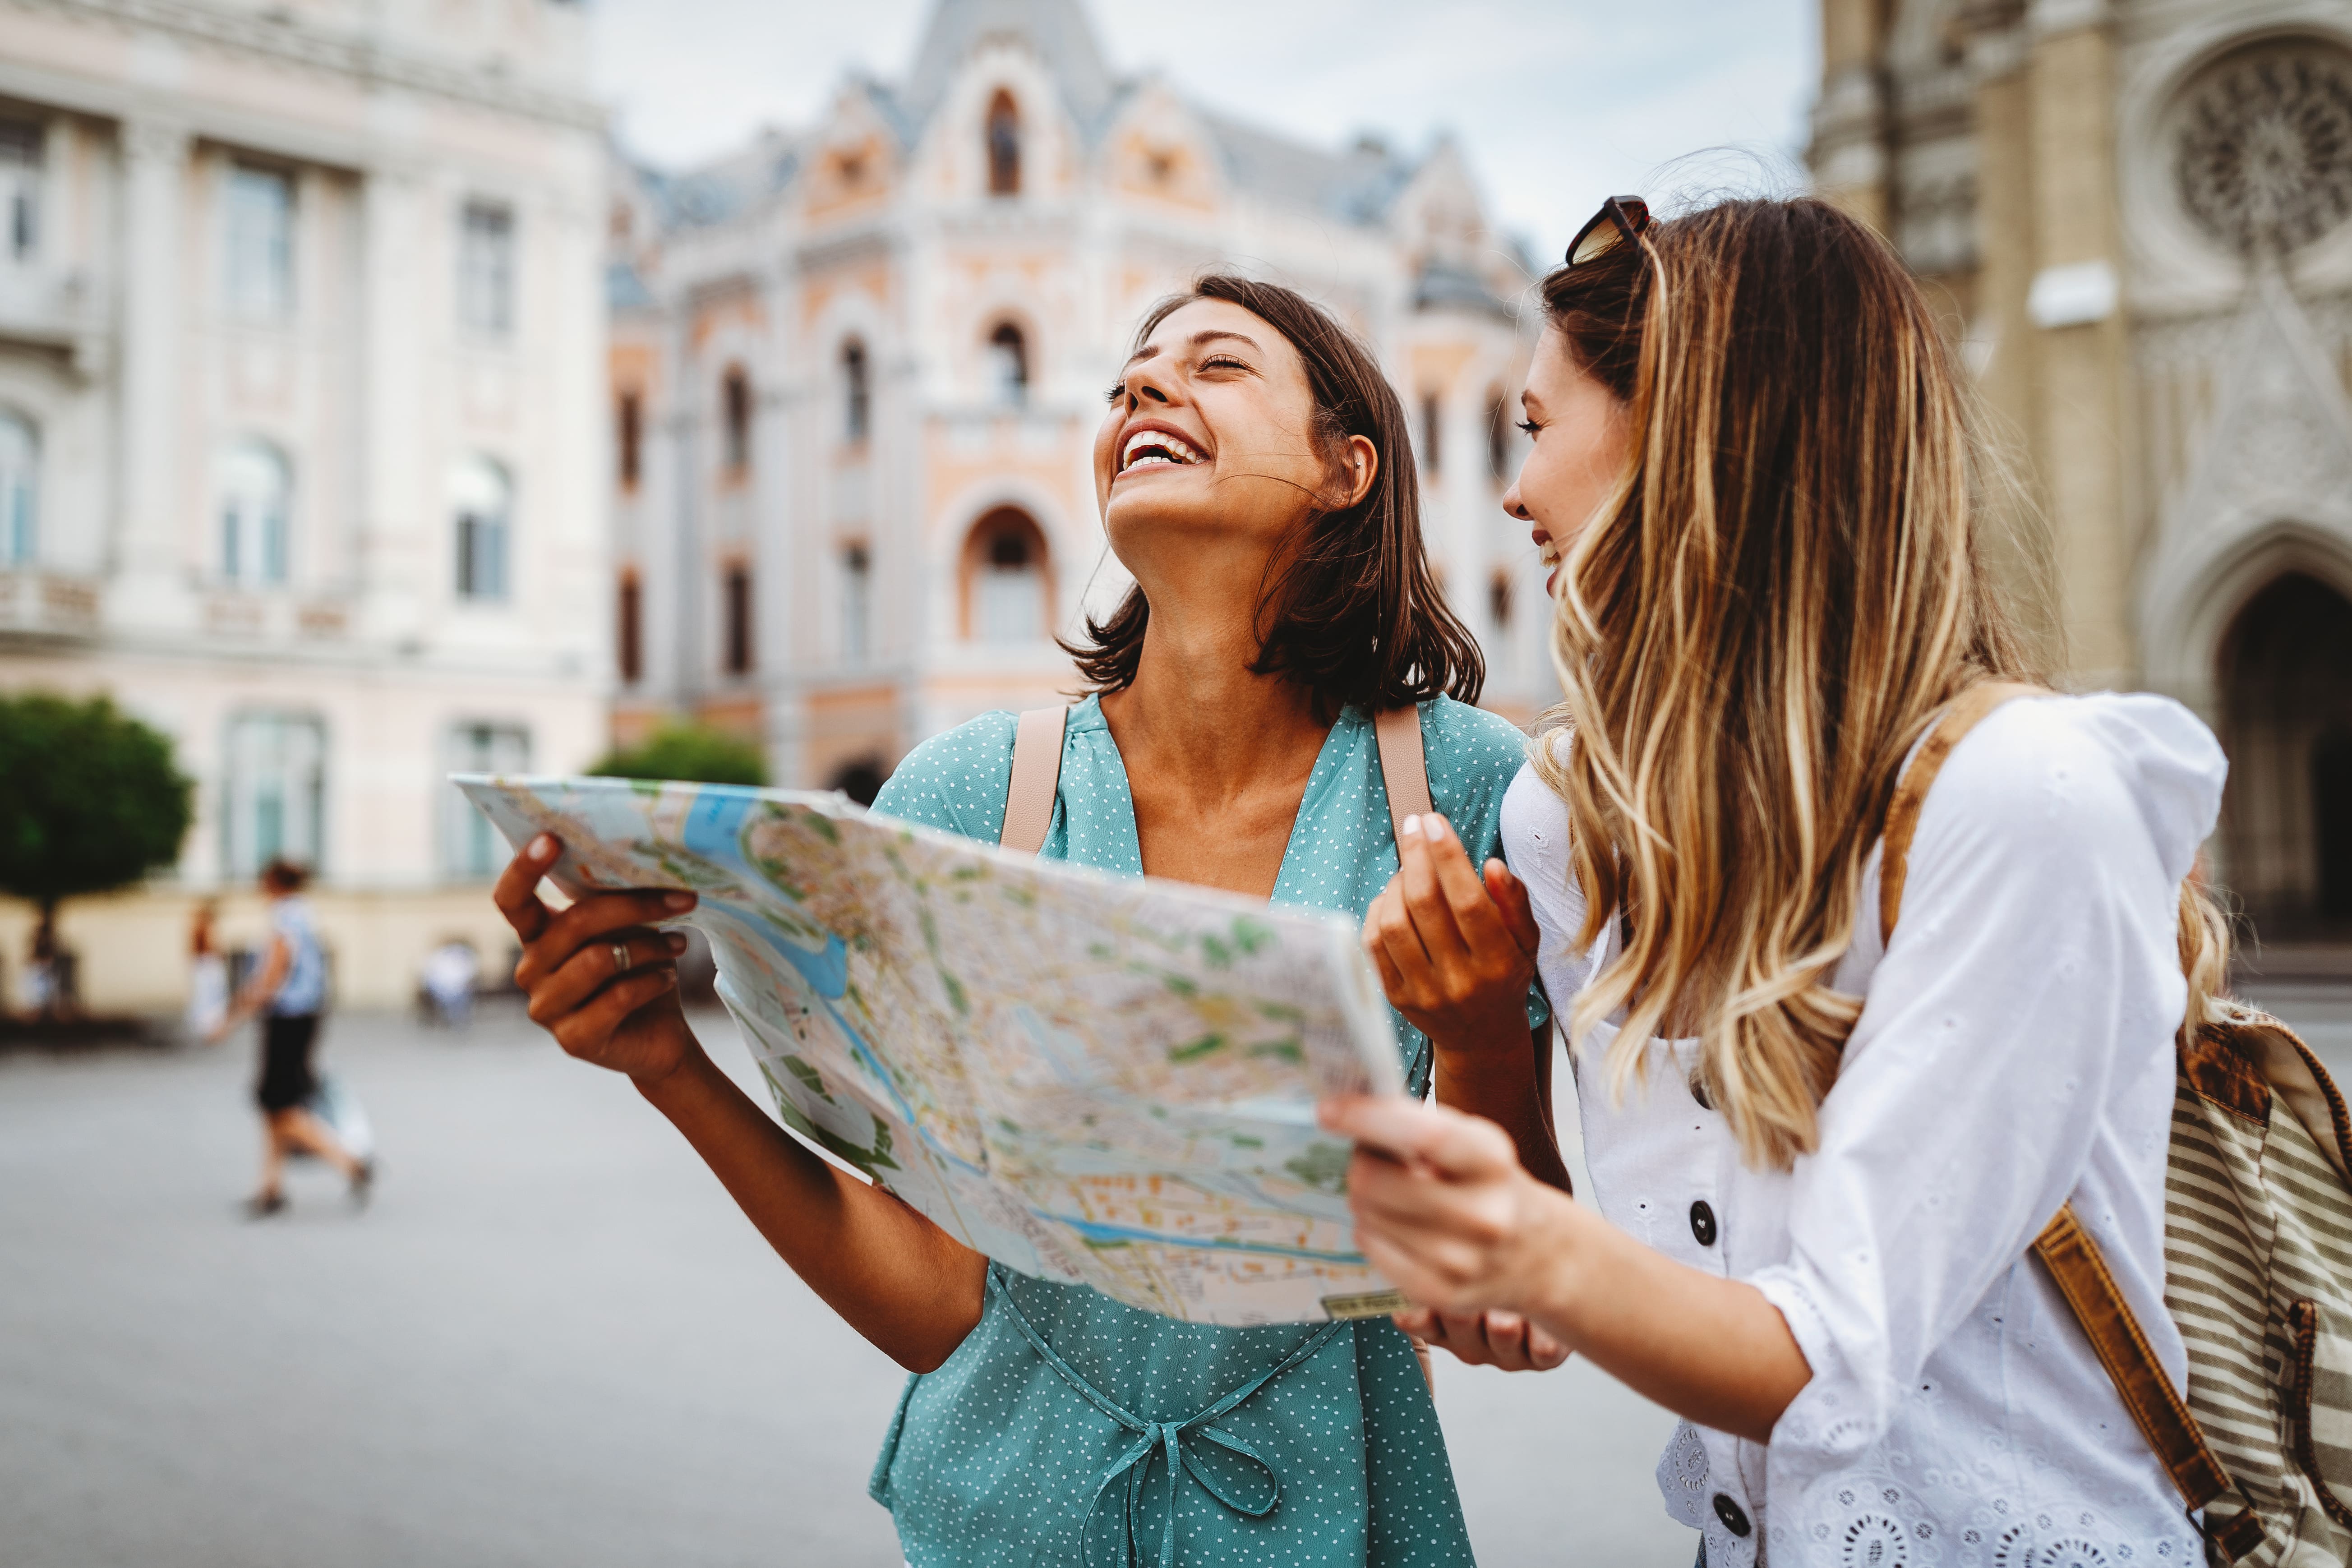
(543, 848)
(680, 900)
(1433, 827)
(676, 941)
(1413, 827)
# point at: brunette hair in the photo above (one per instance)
(284, 876)
(1782, 590)
(1350, 609)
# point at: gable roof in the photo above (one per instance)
(1059, 30)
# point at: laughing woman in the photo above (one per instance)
(1255, 476)
(1845, 1049)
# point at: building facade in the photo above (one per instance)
(302, 437)
(856, 369)
(2136, 212)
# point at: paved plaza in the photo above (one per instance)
(550, 1341)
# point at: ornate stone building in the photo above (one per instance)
(301, 435)
(856, 369)
(2137, 211)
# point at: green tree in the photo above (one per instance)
(695, 753)
(89, 802)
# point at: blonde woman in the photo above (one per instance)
(1820, 1159)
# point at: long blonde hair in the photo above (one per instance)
(1783, 591)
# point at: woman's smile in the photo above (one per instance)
(1549, 552)
(1154, 443)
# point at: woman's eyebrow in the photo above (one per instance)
(1210, 336)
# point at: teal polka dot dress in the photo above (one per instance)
(1069, 1429)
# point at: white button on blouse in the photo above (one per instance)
(2015, 1051)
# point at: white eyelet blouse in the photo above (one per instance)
(2015, 1051)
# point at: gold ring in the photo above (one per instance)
(620, 957)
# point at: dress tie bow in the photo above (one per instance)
(1165, 1440)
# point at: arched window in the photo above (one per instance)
(274, 792)
(629, 436)
(857, 603)
(857, 392)
(1004, 146)
(1498, 435)
(2285, 668)
(735, 402)
(20, 494)
(861, 781)
(1008, 364)
(1004, 572)
(736, 586)
(481, 502)
(254, 489)
(629, 636)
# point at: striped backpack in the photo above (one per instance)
(2258, 1262)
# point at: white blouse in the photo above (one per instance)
(2014, 1052)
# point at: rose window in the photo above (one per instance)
(2265, 148)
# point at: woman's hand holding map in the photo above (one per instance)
(604, 982)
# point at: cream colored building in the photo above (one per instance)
(2137, 212)
(857, 366)
(302, 435)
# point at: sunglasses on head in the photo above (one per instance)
(1621, 218)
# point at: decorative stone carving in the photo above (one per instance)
(2264, 156)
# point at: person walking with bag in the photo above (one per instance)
(290, 994)
(1282, 683)
(1876, 954)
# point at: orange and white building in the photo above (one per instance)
(856, 369)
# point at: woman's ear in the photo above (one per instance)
(1358, 465)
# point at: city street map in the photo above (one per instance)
(1091, 1079)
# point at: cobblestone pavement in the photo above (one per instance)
(551, 1339)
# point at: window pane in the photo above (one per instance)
(260, 242)
(19, 489)
(480, 501)
(20, 188)
(474, 848)
(486, 270)
(254, 489)
(857, 580)
(274, 796)
(1011, 604)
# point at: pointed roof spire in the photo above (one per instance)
(1059, 30)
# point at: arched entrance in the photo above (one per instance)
(2286, 720)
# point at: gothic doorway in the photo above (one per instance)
(2286, 720)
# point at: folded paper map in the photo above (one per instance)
(1099, 1080)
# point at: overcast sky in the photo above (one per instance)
(1558, 103)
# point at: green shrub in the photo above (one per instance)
(695, 753)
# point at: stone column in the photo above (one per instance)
(149, 551)
(2074, 308)
(2019, 547)
(400, 485)
(1849, 155)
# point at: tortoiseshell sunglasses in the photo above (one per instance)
(1620, 218)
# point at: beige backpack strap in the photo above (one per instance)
(2065, 1249)
(1036, 775)
(1404, 771)
(1404, 775)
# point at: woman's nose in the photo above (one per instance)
(1512, 504)
(1146, 381)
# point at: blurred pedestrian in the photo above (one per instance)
(450, 972)
(289, 993)
(208, 975)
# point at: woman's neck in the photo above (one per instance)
(1196, 713)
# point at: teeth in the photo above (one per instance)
(1162, 447)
